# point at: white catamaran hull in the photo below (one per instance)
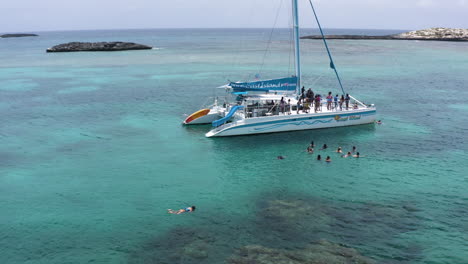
(294, 122)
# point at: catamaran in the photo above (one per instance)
(280, 105)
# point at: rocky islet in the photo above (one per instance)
(97, 46)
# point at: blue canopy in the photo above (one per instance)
(283, 84)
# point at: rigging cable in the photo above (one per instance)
(271, 35)
(332, 65)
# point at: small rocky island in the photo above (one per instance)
(97, 46)
(17, 35)
(440, 34)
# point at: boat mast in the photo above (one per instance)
(296, 45)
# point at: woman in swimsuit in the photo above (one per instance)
(180, 211)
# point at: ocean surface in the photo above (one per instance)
(93, 153)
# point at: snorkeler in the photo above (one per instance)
(180, 211)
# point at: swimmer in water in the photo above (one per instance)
(310, 150)
(357, 155)
(354, 149)
(312, 145)
(181, 211)
(281, 157)
(347, 155)
(328, 159)
(324, 147)
(319, 157)
(379, 122)
(339, 150)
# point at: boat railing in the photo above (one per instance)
(261, 110)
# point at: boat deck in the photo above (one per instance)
(253, 112)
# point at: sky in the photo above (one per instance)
(49, 15)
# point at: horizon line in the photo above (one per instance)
(191, 28)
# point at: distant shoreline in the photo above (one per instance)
(432, 34)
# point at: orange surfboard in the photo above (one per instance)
(196, 115)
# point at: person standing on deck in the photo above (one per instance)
(318, 102)
(335, 100)
(341, 102)
(305, 108)
(329, 101)
(347, 98)
(310, 95)
(282, 105)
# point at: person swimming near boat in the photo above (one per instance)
(328, 159)
(357, 155)
(339, 150)
(379, 122)
(347, 155)
(319, 157)
(181, 211)
(312, 145)
(324, 147)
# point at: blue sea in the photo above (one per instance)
(93, 153)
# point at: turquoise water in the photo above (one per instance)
(93, 152)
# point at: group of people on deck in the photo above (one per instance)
(353, 153)
(308, 99)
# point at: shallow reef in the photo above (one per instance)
(322, 252)
(293, 229)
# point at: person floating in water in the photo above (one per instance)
(324, 147)
(339, 150)
(281, 157)
(347, 154)
(181, 211)
(354, 149)
(328, 159)
(379, 122)
(319, 157)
